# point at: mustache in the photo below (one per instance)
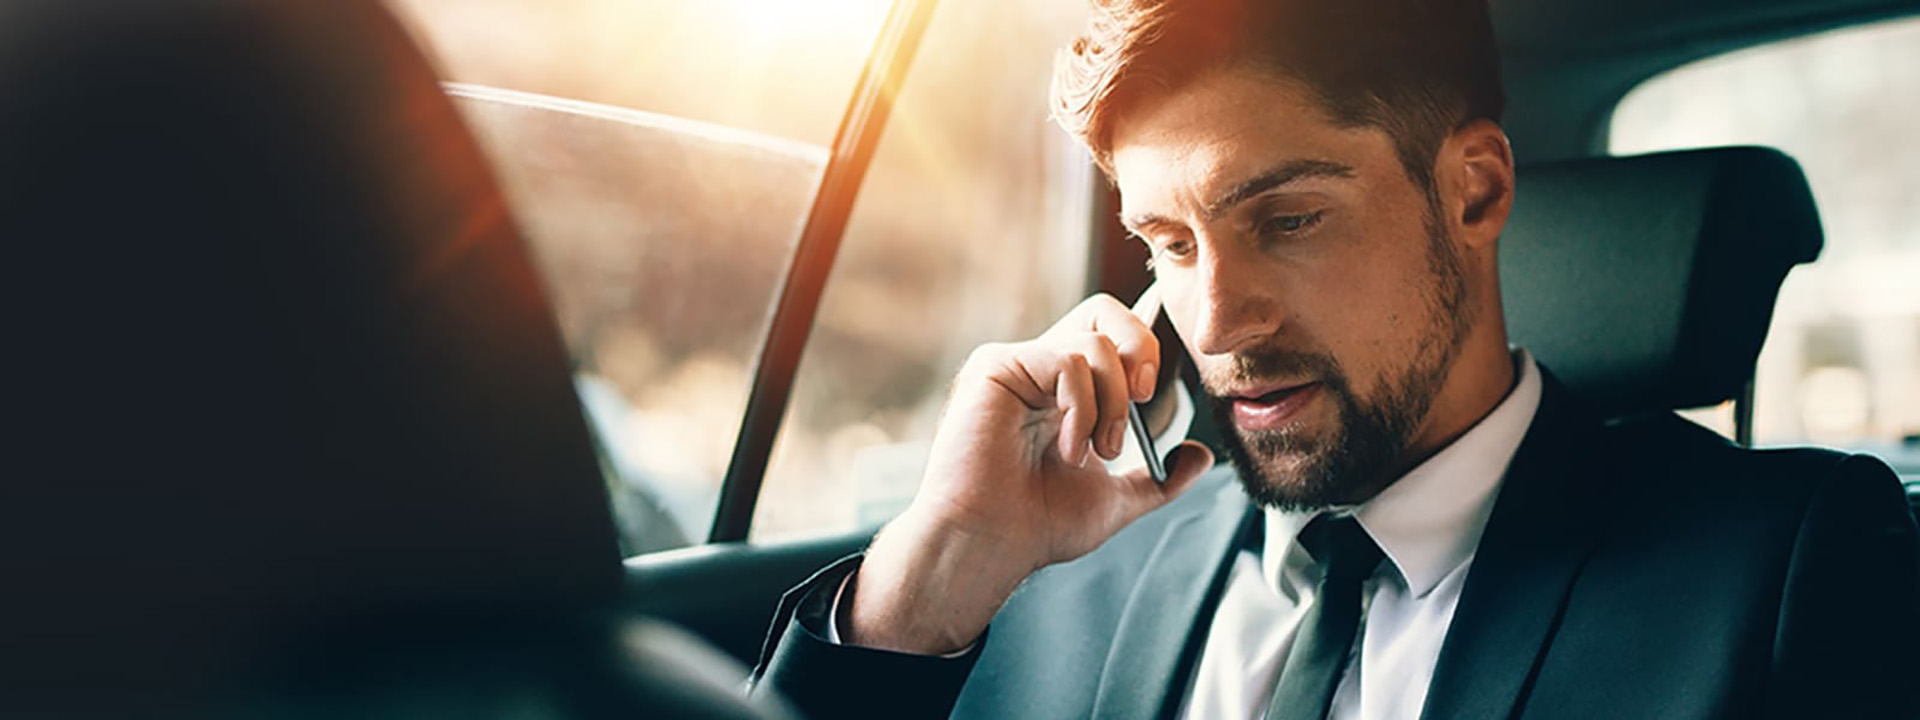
(1254, 366)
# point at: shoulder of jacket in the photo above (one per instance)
(1696, 461)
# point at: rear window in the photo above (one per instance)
(661, 156)
(1841, 365)
(973, 225)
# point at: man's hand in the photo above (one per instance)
(1015, 481)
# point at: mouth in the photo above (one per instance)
(1269, 407)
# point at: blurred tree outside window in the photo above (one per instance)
(660, 156)
(1841, 365)
(972, 226)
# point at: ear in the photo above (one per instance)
(1483, 181)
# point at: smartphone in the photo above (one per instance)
(1147, 308)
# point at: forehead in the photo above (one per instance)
(1193, 141)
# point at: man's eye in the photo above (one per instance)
(1171, 251)
(1289, 224)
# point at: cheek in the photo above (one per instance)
(1370, 306)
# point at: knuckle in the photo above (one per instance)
(982, 360)
(1096, 346)
(1105, 344)
(986, 352)
(1099, 300)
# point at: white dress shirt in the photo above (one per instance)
(1427, 523)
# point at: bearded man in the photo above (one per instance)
(1418, 520)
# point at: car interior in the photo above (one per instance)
(305, 438)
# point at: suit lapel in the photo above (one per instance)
(1540, 534)
(1159, 632)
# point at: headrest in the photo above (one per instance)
(1646, 283)
(286, 351)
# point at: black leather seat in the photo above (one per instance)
(302, 438)
(1647, 283)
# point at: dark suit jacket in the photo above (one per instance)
(1643, 569)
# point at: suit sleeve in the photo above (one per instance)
(1847, 642)
(829, 680)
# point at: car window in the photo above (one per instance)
(972, 226)
(1841, 365)
(661, 156)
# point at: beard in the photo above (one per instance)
(1351, 462)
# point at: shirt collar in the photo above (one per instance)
(1429, 521)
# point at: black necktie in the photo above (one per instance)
(1347, 557)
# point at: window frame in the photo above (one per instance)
(798, 300)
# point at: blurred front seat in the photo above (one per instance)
(300, 434)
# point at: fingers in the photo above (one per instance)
(1132, 339)
(1090, 390)
(1089, 366)
(1111, 392)
(1185, 464)
(1188, 461)
(1083, 377)
(1078, 401)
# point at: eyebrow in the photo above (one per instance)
(1280, 175)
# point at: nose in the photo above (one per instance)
(1239, 304)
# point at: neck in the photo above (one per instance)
(1482, 376)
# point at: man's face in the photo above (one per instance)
(1311, 278)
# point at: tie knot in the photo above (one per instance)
(1341, 547)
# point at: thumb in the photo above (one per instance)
(1188, 461)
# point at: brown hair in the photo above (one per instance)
(1417, 69)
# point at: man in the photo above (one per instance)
(1423, 523)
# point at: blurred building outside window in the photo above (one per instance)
(1841, 365)
(660, 156)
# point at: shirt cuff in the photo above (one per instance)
(833, 620)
